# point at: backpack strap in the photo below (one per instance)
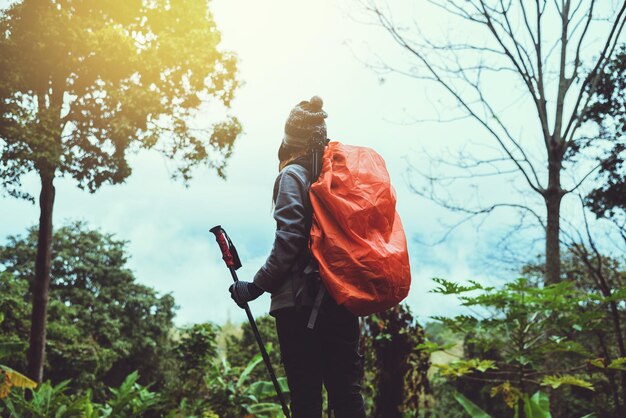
(321, 292)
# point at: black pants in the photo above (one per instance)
(327, 354)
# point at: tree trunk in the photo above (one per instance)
(41, 282)
(553, 250)
(552, 196)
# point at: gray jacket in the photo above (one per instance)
(290, 273)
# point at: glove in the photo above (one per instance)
(243, 292)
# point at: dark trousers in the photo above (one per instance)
(327, 354)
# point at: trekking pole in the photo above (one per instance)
(231, 258)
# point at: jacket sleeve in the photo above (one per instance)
(292, 236)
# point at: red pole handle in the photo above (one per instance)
(231, 260)
(220, 237)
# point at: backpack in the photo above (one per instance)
(357, 237)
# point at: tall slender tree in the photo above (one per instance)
(546, 55)
(85, 82)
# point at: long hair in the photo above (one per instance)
(287, 157)
(291, 157)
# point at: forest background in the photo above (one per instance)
(379, 93)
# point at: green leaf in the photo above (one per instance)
(264, 408)
(282, 382)
(598, 362)
(484, 365)
(470, 407)
(18, 379)
(555, 381)
(538, 406)
(462, 367)
(265, 389)
(510, 393)
(447, 287)
(246, 372)
(618, 364)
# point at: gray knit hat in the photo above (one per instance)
(305, 124)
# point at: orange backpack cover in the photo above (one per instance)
(356, 232)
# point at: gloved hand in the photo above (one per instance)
(242, 292)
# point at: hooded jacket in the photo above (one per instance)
(290, 272)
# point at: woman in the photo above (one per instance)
(327, 353)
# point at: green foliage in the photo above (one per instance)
(227, 393)
(509, 393)
(509, 335)
(102, 323)
(607, 111)
(86, 82)
(204, 381)
(10, 378)
(558, 380)
(128, 401)
(429, 347)
(446, 287)
(537, 406)
(618, 364)
(14, 327)
(47, 401)
(470, 407)
(396, 363)
(600, 280)
(520, 320)
(462, 367)
(196, 350)
(240, 348)
(223, 394)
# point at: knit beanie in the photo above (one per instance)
(304, 124)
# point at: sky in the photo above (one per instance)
(289, 51)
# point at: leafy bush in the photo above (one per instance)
(227, 393)
(102, 324)
(521, 338)
(47, 400)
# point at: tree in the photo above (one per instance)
(196, 350)
(103, 325)
(608, 111)
(86, 82)
(513, 44)
(195, 353)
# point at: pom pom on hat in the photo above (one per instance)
(316, 103)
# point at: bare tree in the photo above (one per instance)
(556, 51)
